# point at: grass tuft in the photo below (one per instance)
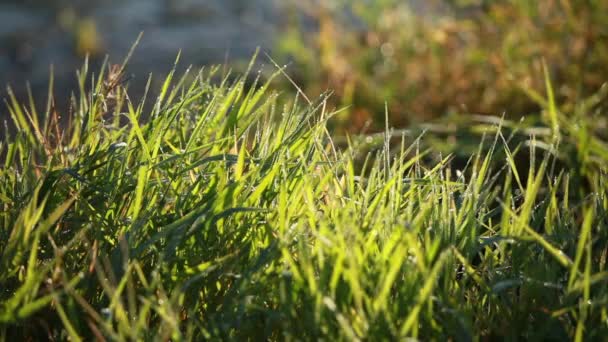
(229, 212)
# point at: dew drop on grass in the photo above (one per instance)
(118, 145)
(106, 312)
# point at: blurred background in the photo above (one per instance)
(420, 59)
(37, 33)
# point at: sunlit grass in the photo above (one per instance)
(228, 212)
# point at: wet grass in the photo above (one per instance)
(230, 212)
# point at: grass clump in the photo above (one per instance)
(229, 213)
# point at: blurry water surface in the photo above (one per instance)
(38, 33)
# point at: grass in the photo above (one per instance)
(220, 211)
